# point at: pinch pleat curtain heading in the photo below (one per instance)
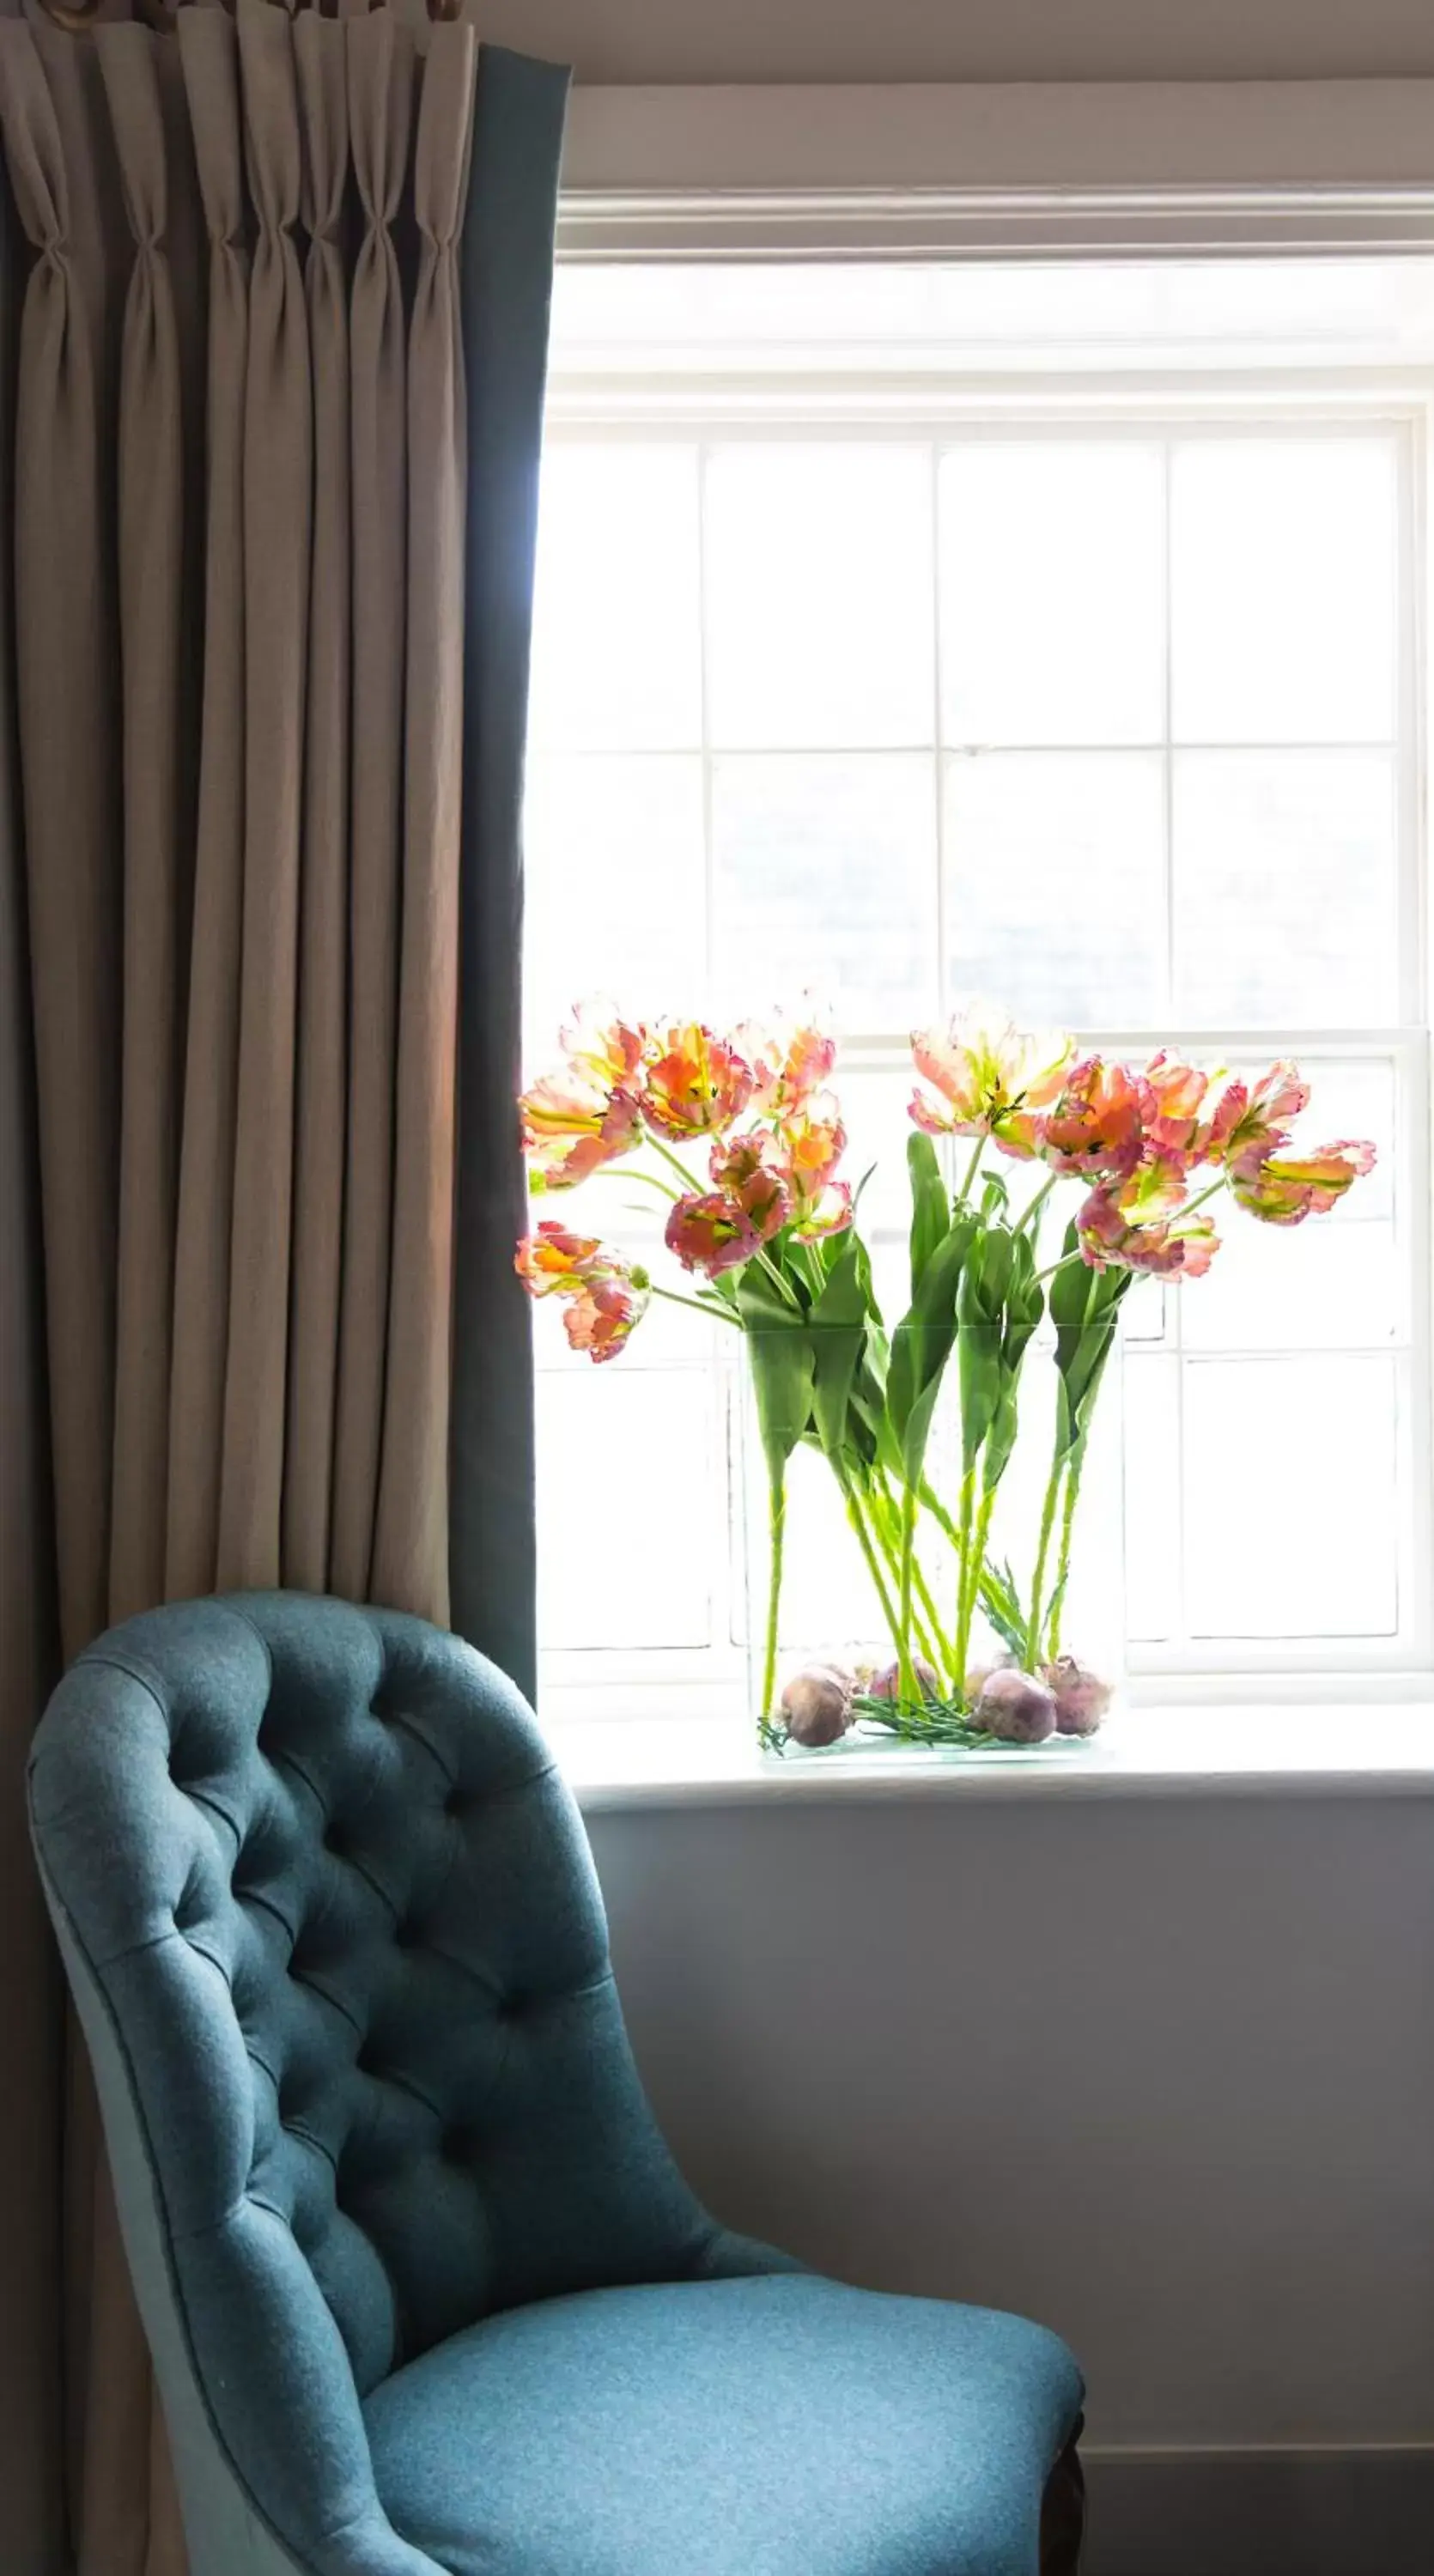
(273, 320)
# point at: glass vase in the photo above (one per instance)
(840, 1592)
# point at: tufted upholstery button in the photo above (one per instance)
(455, 1804)
(459, 2145)
(336, 1840)
(408, 1934)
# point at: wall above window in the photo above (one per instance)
(929, 40)
(1041, 170)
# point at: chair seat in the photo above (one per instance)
(764, 2427)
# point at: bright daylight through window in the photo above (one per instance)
(1052, 635)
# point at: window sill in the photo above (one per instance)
(1362, 1750)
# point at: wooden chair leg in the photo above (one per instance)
(1063, 2514)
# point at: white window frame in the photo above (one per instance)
(695, 220)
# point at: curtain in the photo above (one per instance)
(271, 281)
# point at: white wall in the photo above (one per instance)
(1158, 2071)
(971, 40)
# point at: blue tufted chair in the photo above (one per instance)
(426, 2294)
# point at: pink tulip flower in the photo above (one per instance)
(750, 1170)
(1255, 1115)
(711, 1232)
(1098, 1124)
(1178, 1093)
(984, 1077)
(1283, 1189)
(600, 1321)
(605, 1296)
(694, 1083)
(790, 1059)
(1114, 1236)
(585, 1114)
(812, 1141)
(569, 1131)
(830, 1212)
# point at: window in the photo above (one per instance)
(904, 633)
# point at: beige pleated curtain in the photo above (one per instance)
(232, 761)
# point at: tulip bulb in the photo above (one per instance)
(1081, 1697)
(886, 1684)
(816, 1705)
(1016, 1708)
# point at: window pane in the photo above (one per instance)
(829, 1605)
(826, 881)
(873, 1100)
(1283, 568)
(1056, 884)
(616, 632)
(611, 1443)
(615, 901)
(1336, 1286)
(819, 597)
(1152, 1523)
(1285, 888)
(1052, 580)
(1290, 1497)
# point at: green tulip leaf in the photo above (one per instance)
(981, 1318)
(839, 1323)
(1025, 1305)
(1084, 1305)
(779, 1348)
(921, 1346)
(930, 1204)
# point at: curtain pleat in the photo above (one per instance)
(246, 836)
(67, 649)
(410, 1546)
(278, 484)
(323, 1020)
(380, 83)
(156, 834)
(31, 2024)
(209, 53)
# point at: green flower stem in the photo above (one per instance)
(1031, 1214)
(777, 1529)
(668, 1156)
(1043, 1544)
(908, 1550)
(1063, 1553)
(649, 1180)
(936, 1645)
(886, 1522)
(931, 1502)
(971, 1582)
(963, 1558)
(783, 1286)
(972, 1169)
(873, 1564)
(1211, 1191)
(928, 1631)
(699, 1305)
(811, 1270)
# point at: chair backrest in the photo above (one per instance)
(337, 1941)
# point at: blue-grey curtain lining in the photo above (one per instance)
(507, 268)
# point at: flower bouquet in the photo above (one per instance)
(743, 1139)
